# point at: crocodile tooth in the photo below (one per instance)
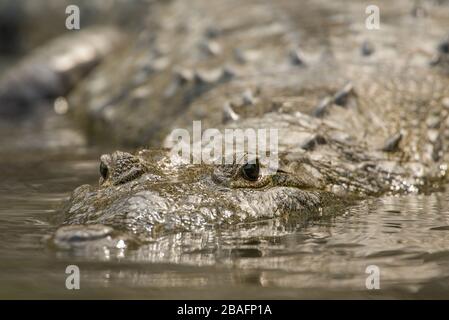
(392, 143)
(341, 97)
(322, 107)
(229, 114)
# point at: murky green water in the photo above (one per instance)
(406, 237)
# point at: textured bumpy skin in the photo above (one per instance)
(173, 196)
(53, 70)
(358, 112)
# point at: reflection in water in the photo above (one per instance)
(407, 237)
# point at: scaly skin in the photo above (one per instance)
(323, 163)
(354, 121)
(52, 70)
(222, 60)
(169, 197)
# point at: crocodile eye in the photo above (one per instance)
(103, 170)
(250, 171)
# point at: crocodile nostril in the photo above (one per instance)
(104, 170)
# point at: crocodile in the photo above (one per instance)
(56, 57)
(322, 163)
(192, 62)
(359, 113)
(52, 71)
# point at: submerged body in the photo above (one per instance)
(53, 70)
(324, 162)
(354, 119)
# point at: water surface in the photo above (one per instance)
(407, 237)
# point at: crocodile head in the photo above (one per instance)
(154, 192)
